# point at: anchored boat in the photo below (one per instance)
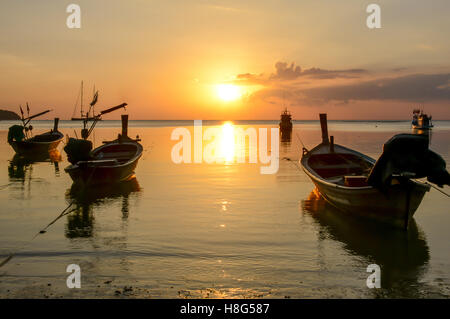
(112, 162)
(83, 115)
(286, 125)
(421, 120)
(24, 143)
(385, 190)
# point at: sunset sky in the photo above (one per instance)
(228, 59)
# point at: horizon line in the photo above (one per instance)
(224, 120)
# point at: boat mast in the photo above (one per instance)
(324, 128)
(81, 111)
(93, 94)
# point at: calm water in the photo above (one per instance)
(212, 230)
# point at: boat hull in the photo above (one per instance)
(108, 170)
(29, 147)
(97, 175)
(395, 207)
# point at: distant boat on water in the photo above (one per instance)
(286, 125)
(421, 120)
(386, 189)
(90, 114)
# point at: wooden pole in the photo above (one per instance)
(324, 128)
(55, 124)
(332, 144)
(125, 125)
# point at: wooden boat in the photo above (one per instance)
(41, 144)
(286, 125)
(421, 120)
(90, 114)
(112, 162)
(341, 175)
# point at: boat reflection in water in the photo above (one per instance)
(21, 165)
(428, 133)
(402, 256)
(80, 220)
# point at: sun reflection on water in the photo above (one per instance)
(227, 142)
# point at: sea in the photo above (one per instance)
(212, 230)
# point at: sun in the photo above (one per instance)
(228, 92)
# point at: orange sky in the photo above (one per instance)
(166, 58)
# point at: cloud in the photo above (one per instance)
(416, 88)
(333, 74)
(286, 72)
(349, 85)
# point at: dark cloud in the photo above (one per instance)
(332, 74)
(286, 72)
(285, 84)
(249, 78)
(291, 72)
(416, 87)
(400, 69)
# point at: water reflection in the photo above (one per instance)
(428, 133)
(402, 256)
(285, 146)
(286, 136)
(80, 221)
(21, 167)
(227, 142)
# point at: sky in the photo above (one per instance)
(228, 60)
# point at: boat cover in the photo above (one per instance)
(408, 155)
(78, 150)
(15, 133)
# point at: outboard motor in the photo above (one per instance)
(408, 155)
(78, 150)
(15, 133)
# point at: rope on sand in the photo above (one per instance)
(43, 231)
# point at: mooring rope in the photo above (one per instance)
(436, 188)
(293, 162)
(298, 136)
(42, 231)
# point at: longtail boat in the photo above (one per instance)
(24, 143)
(112, 162)
(387, 190)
